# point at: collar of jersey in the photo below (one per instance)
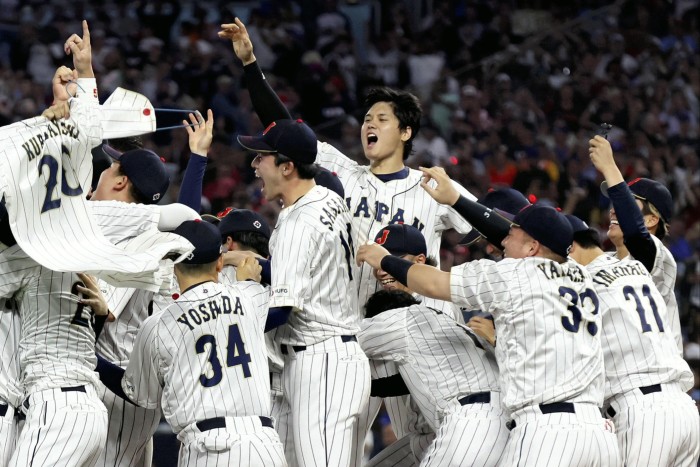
(193, 286)
(400, 175)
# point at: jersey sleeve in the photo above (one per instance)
(259, 297)
(294, 258)
(482, 285)
(384, 336)
(449, 218)
(664, 271)
(119, 221)
(330, 158)
(87, 90)
(142, 381)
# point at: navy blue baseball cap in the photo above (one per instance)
(205, 238)
(145, 169)
(653, 192)
(402, 239)
(548, 226)
(330, 180)
(243, 220)
(505, 200)
(577, 224)
(291, 138)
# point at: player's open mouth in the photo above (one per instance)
(371, 139)
(388, 282)
(614, 222)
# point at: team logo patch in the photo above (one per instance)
(156, 197)
(257, 224)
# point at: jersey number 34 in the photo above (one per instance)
(235, 355)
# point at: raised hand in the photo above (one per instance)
(238, 35)
(601, 155)
(81, 50)
(201, 134)
(60, 80)
(57, 111)
(444, 192)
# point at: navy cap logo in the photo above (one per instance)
(156, 197)
(257, 224)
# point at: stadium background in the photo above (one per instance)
(511, 92)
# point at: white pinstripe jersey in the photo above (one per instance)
(549, 345)
(57, 344)
(636, 349)
(313, 269)
(204, 356)
(439, 359)
(374, 204)
(43, 167)
(664, 274)
(10, 389)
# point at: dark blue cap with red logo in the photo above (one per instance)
(653, 192)
(145, 169)
(291, 138)
(402, 239)
(548, 226)
(205, 238)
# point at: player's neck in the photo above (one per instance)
(185, 282)
(587, 256)
(295, 189)
(388, 165)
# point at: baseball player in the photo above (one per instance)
(386, 191)
(131, 427)
(639, 217)
(645, 379)
(453, 380)
(407, 242)
(548, 346)
(203, 360)
(326, 375)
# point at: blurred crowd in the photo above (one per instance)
(511, 90)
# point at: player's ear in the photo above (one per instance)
(230, 244)
(406, 134)
(651, 221)
(534, 248)
(420, 259)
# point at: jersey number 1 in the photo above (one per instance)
(235, 355)
(52, 180)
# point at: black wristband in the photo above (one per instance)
(397, 268)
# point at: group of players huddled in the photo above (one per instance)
(277, 346)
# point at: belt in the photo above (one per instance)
(555, 407)
(477, 398)
(66, 389)
(644, 390)
(3, 409)
(220, 422)
(301, 348)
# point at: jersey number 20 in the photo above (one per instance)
(52, 180)
(235, 355)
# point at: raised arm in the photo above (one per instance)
(200, 138)
(266, 103)
(636, 236)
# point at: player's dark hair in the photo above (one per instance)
(406, 107)
(305, 171)
(125, 144)
(384, 300)
(661, 227)
(134, 192)
(430, 261)
(196, 269)
(588, 239)
(250, 241)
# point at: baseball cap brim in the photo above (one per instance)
(110, 151)
(255, 143)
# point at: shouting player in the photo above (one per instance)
(326, 375)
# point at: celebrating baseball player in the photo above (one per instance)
(326, 375)
(639, 217)
(453, 380)
(645, 379)
(548, 341)
(386, 191)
